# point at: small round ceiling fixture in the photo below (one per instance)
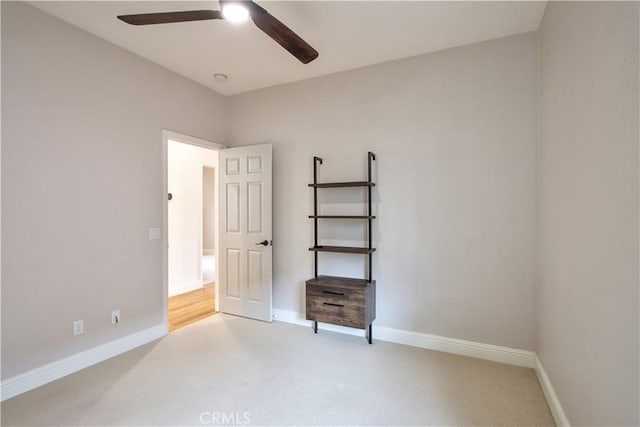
(220, 78)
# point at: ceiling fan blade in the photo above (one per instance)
(169, 17)
(282, 34)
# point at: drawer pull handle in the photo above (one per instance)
(333, 293)
(333, 305)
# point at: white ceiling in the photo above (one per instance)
(348, 34)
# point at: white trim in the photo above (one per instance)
(192, 140)
(52, 371)
(552, 399)
(187, 139)
(511, 356)
(183, 287)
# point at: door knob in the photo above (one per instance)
(263, 243)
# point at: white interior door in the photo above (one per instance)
(245, 231)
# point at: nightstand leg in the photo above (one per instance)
(315, 327)
(370, 334)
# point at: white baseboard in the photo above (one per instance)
(511, 356)
(181, 288)
(552, 399)
(45, 374)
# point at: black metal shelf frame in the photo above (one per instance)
(369, 217)
(342, 216)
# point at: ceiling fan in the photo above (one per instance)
(235, 11)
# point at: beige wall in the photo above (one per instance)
(455, 135)
(82, 183)
(588, 293)
(209, 208)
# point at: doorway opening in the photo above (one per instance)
(191, 229)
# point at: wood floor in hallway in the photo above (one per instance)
(190, 307)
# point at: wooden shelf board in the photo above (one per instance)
(342, 249)
(341, 282)
(343, 184)
(342, 216)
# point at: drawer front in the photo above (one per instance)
(332, 310)
(340, 295)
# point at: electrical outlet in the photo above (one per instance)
(115, 316)
(78, 327)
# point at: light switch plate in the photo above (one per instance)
(154, 233)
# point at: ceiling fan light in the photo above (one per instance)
(235, 12)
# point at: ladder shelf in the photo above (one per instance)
(342, 300)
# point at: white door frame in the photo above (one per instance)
(186, 139)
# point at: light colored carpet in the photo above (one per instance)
(227, 370)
